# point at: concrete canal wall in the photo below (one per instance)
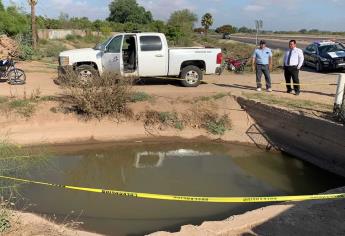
(318, 141)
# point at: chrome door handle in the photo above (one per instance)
(159, 55)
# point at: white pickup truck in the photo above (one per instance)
(143, 55)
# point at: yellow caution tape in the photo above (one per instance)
(306, 84)
(188, 198)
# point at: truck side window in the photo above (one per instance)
(115, 45)
(150, 43)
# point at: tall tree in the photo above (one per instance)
(124, 11)
(207, 21)
(2, 8)
(226, 29)
(180, 27)
(33, 4)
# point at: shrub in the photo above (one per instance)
(140, 97)
(26, 52)
(4, 217)
(161, 120)
(202, 115)
(106, 95)
(51, 49)
(73, 37)
(217, 126)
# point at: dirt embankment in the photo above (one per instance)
(293, 218)
(7, 45)
(46, 126)
(27, 224)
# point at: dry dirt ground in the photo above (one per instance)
(46, 126)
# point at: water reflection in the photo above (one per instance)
(199, 169)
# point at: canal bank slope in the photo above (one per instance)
(27, 224)
(293, 218)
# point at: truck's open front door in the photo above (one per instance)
(112, 58)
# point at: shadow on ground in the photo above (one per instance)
(324, 217)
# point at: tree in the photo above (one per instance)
(2, 8)
(158, 26)
(33, 4)
(180, 27)
(244, 29)
(199, 30)
(226, 29)
(207, 21)
(123, 11)
(303, 31)
(13, 22)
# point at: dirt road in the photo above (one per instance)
(40, 77)
(49, 127)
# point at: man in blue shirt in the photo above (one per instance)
(262, 63)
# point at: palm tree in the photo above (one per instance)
(207, 21)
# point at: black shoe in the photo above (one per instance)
(297, 93)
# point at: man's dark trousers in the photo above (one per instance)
(292, 72)
(266, 71)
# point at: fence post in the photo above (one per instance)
(339, 105)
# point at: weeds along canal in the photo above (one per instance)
(200, 168)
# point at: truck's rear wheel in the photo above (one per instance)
(191, 76)
(86, 73)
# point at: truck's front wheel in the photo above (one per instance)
(86, 73)
(191, 76)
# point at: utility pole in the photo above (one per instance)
(258, 25)
(33, 4)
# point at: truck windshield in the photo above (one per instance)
(101, 46)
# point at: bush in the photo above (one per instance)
(26, 52)
(106, 95)
(73, 37)
(4, 217)
(140, 97)
(25, 107)
(52, 49)
(200, 116)
(217, 126)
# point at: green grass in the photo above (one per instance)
(5, 223)
(213, 97)
(171, 119)
(218, 126)
(140, 97)
(289, 103)
(15, 161)
(23, 107)
(220, 96)
(48, 98)
(3, 100)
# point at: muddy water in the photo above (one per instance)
(203, 168)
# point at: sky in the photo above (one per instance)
(276, 14)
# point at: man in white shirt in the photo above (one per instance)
(293, 61)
